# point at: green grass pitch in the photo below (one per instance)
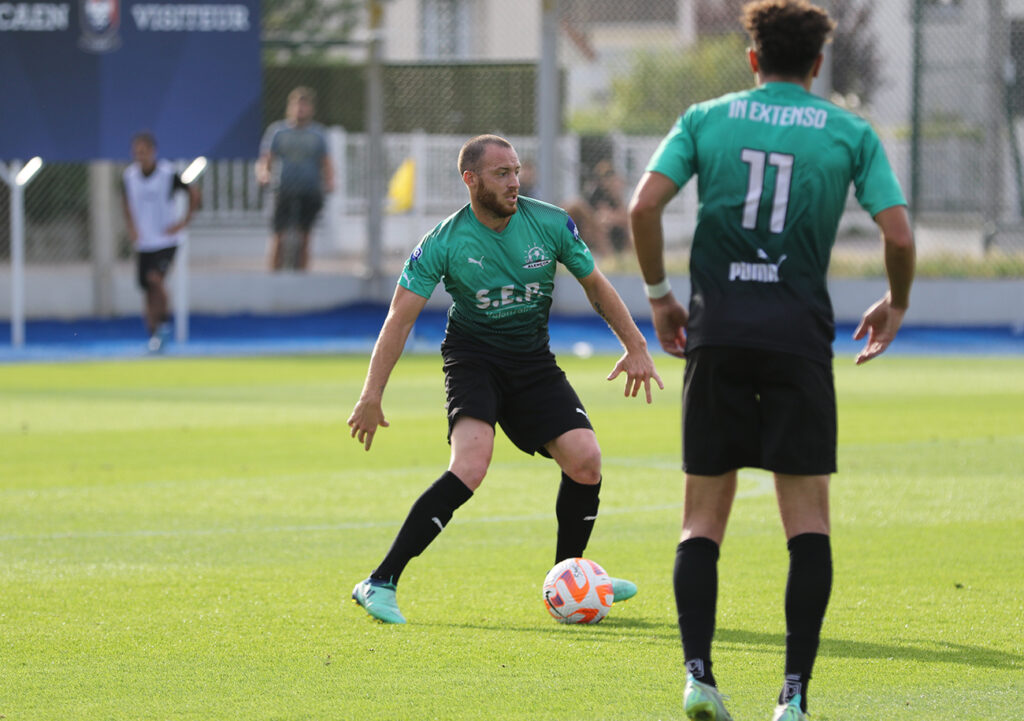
(179, 539)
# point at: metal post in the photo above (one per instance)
(997, 52)
(915, 113)
(548, 103)
(1009, 87)
(419, 153)
(181, 290)
(375, 151)
(17, 257)
(101, 232)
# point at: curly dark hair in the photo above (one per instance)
(787, 35)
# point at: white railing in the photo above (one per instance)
(232, 199)
(234, 203)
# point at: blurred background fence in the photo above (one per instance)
(937, 78)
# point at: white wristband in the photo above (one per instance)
(658, 290)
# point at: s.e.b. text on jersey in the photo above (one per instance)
(500, 283)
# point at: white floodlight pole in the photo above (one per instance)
(181, 279)
(181, 304)
(17, 177)
(17, 257)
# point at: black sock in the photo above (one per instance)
(807, 592)
(695, 579)
(427, 518)
(576, 511)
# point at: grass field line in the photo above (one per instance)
(986, 439)
(759, 482)
(427, 471)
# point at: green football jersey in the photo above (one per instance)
(774, 166)
(500, 283)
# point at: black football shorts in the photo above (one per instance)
(296, 210)
(745, 407)
(155, 260)
(527, 394)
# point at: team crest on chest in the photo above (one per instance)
(536, 257)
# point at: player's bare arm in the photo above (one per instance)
(327, 173)
(194, 201)
(881, 322)
(263, 169)
(636, 363)
(668, 316)
(129, 219)
(368, 413)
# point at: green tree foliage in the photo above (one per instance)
(856, 65)
(661, 84)
(304, 28)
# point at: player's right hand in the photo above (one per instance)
(365, 419)
(669, 318)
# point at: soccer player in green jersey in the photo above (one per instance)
(774, 165)
(497, 257)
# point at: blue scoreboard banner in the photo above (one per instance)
(78, 78)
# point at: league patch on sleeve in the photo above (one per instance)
(572, 228)
(416, 253)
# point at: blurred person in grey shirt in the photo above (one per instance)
(294, 157)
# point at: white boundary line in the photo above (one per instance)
(762, 485)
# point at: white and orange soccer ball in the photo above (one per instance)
(578, 590)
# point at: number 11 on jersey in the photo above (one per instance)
(757, 161)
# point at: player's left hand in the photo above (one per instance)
(880, 323)
(639, 369)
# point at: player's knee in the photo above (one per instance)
(471, 473)
(584, 466)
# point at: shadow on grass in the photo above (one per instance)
(582, 632)
(919, 650)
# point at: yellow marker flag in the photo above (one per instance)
(402, 186)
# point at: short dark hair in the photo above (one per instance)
(302, 93)
(144, 136)
(473, 150)
(787, 35)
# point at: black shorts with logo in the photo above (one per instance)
(744, 407)
(158, 260)
(527, 394)
(296, 210)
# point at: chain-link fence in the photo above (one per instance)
(936, 77)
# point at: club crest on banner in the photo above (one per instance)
(100, 21)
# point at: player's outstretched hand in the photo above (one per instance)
(639, 369)
(880, 323)
(669, 318)
(365, 419)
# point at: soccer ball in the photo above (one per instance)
(577, 590)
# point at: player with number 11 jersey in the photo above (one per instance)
(776, 164)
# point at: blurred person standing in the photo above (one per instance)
(294, 156)
(608, 205)
(155, 226)
(601, 212)
(774, 166)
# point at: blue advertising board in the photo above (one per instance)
(78, 78)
